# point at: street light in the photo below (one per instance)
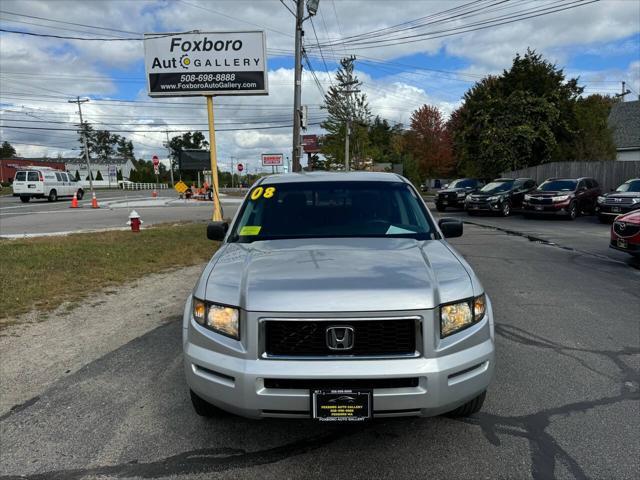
(312, 7)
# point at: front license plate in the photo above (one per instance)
(622, 243)
(539, 207)
(342, 405)
(615, 209)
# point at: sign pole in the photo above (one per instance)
(217, 212)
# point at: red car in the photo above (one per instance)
(625, 233)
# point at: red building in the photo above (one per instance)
(9, 166)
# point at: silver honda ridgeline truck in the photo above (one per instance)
(334, 296)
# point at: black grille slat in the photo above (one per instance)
(629, 229)
(371, 337)
(339, 384)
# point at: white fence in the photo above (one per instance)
(143, 186)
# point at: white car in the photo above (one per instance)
(45, 182)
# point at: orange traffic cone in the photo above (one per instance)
(74, 202)
(94, 201)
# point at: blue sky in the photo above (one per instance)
(600, 42)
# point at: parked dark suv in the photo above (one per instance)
(568, 197)
(456, 192)
(624, 199)
(501, 196)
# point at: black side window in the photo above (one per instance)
(581, 185)
(529, 184)
(59, 177)
(33, 177)
(21, 176)
(517, 185)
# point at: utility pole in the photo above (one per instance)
(347, 122)
(297, 87)
(170, 159)
(84, 139)
(312, 9)
(233, 169)
(625, 91)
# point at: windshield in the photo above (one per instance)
(332, 209)
(495, 187)
(462, 183)
(558, 186)
(632, 186)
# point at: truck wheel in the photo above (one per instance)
(202, 407)
(472, 406)
(573, 211)
(25, 199)
(53, 196)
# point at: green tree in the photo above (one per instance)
(342, 108)
(382, 135)
(119, 175)
(77, 175)
(594, 139)
(521, 118)
(7, 150)
(124, 148)
(98, 176)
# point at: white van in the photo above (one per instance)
(45, 182)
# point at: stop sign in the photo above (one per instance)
(240, 167)
(156, 160)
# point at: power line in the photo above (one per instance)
(69, 23)
(161, 130)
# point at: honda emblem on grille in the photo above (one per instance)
(340, 338)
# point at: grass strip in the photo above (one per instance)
(42, 273)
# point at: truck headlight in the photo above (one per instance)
(495, 198)
(219, 318)
(560, 198)
(460, 315)
(527, 197)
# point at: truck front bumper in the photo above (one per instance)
(249, 386)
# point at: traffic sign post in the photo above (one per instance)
(156, 170)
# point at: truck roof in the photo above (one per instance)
(332, 177)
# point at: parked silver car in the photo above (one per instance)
(335, 296)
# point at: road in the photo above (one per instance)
(564, 402)
(42, 217)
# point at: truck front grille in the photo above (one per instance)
(308, 338)
(339, 384)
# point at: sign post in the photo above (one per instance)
(207, 64)
(217, 211)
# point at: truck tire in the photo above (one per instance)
(472, 406)
(505, 211)
(202, 407)
(24, 199)
(53, 196)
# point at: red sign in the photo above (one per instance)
(310, 143)
(240, 167)
(272, 159)
(156, 160)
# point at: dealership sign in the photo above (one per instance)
(205, 63)
(272, 159)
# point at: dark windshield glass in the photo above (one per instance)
(496, 187)
(332, 209)
(558, 186)
(632, 186)
(462, 183)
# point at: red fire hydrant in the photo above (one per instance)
(134, 221)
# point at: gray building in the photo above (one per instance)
(624, 121)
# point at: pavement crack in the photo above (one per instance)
(19, 408)
(546, 452)
(200, 461)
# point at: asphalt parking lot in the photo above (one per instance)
(564, 403)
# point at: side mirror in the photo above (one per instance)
(217, 230)
(450, 227)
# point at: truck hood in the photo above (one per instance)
(336, 275)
